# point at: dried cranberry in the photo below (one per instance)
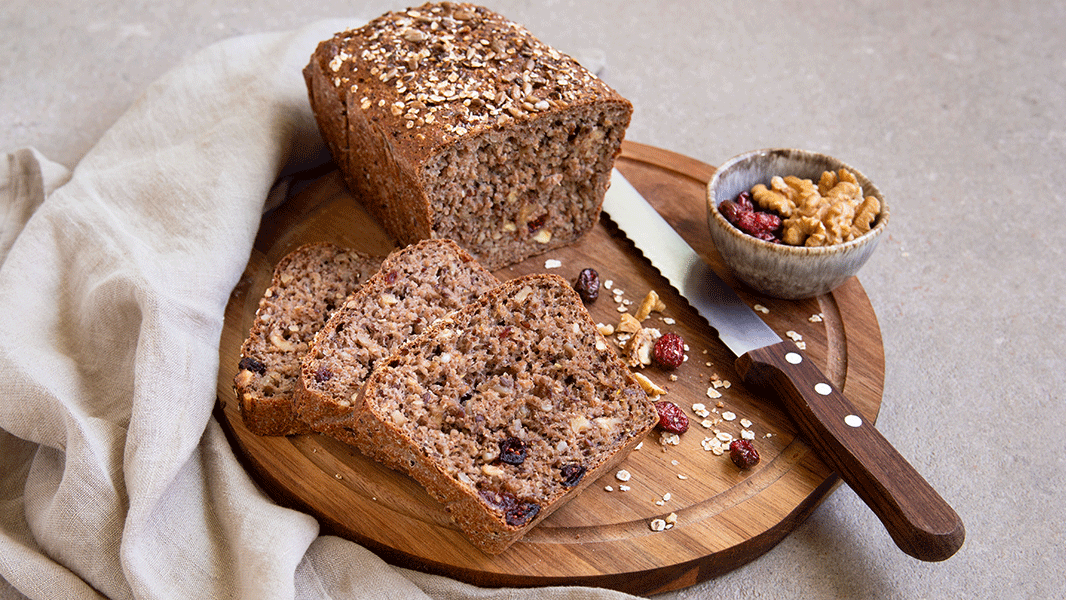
(572, 474)
(390, 277)
(756, 223)
(671, 417)
(250, 364)
(505, 332)
(743, 454)
(744, 201)
(513, 451)
(323, 374)
(588, 285)
(537, 223)
(522, 513)
(669, 351)
(516, 512)
(730, 210)
(496, 499)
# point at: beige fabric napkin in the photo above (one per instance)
(115, 481)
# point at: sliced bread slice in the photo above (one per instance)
(505, 409)
(415, 286)
(307, 285)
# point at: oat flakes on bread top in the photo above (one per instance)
(506, 408)
(414, 286)
(451, 121)
(307, 285)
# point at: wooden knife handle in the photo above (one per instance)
(922, 524)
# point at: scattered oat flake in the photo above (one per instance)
(608, 284)
(713, 393)
(552, 263)
(624, 488)
(707, 423)
(671, 439)
(747, 434)
(666, 497)
(682, 476)
(658, 524)
(724, 436)
(668, 321)
(792, 335)
(745, 422)
(815, 318)
(729, 415)
(761, 308)
(623, 475)
(608, 488)
(801, 345)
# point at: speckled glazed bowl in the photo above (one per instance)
(780, 270)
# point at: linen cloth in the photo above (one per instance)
(115, 480)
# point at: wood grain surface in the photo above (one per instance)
(725, 517)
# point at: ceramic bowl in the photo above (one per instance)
(780, 270)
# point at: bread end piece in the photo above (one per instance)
(506, 147)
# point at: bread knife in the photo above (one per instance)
(920, 522)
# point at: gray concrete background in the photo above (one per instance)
(956, 109)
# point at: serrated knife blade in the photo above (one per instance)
(739, 327)
(920, 522)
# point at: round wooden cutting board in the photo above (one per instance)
(721, 517)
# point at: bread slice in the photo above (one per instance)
(450, 121)
(308, 284)
(414, 287)
(505, 409)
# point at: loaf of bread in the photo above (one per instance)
(307, 285)
(450, 121)
(415, 286)
(505, 409)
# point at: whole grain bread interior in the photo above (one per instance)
(450, 121)
(505, 409)
(414, 287)
(307, 285)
